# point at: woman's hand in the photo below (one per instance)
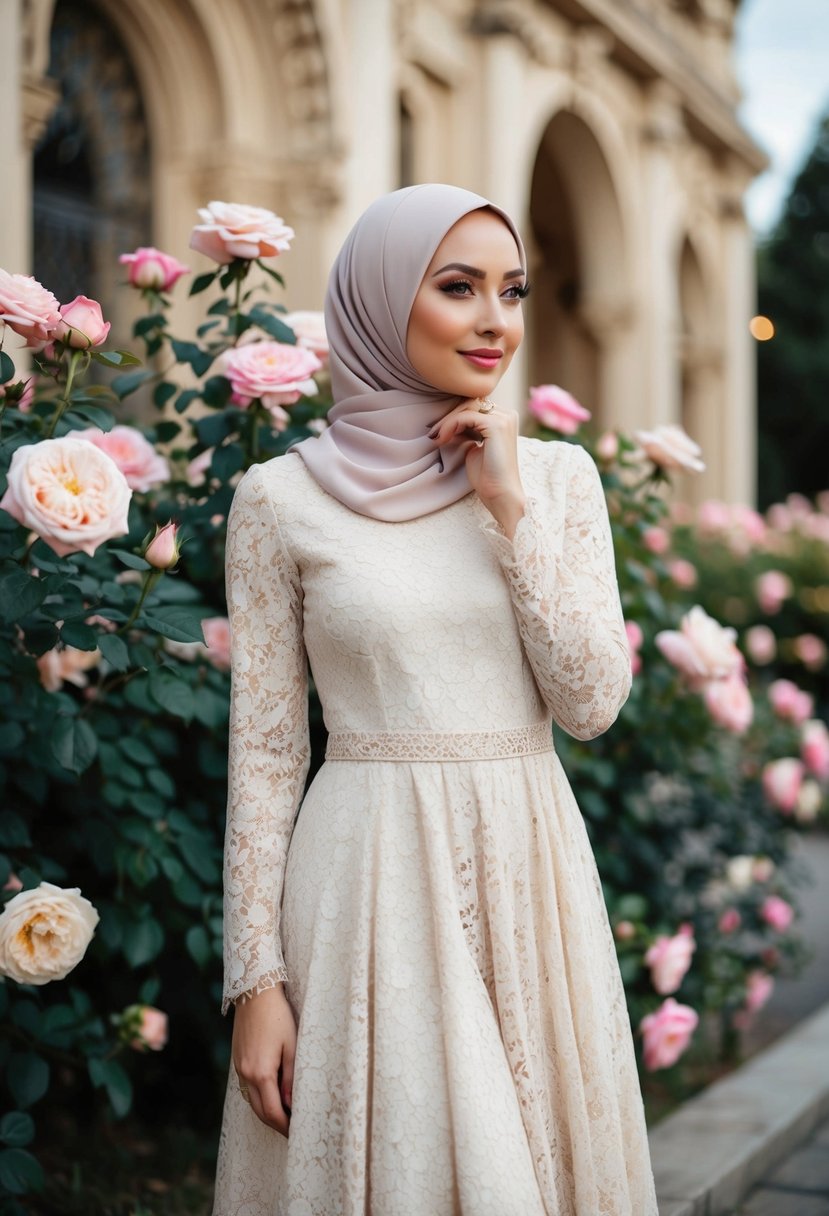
(264, 1045)
(491, 457)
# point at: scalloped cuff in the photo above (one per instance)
(269, 980)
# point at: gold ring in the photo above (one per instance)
(486, 406)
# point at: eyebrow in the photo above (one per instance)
(474, 272)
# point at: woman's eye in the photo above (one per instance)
(458, 287)
(518, 291)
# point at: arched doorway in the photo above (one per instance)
(92, 163)
(581, 287)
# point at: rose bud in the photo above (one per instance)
(82, 324)
(150, 268)
(163, 550)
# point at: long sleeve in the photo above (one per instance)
(269, 737)
(566, 601)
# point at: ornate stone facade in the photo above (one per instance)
(606, 127)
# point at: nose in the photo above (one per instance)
(491, 319)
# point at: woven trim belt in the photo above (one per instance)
(402, 746)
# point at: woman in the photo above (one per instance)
(433, 924)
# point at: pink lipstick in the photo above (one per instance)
(485, 357)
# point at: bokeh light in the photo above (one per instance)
(761, 328)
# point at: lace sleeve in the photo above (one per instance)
(567, 603)
(269, 738)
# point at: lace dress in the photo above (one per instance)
(464, 1044)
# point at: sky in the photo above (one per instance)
(782, 61)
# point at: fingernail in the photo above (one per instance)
(433, 432)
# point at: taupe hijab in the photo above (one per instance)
(376, 456)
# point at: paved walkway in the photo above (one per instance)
(799, 1186)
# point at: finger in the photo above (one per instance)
(453, 424)
(285, 1080)
(273, 1112)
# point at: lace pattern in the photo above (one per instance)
(433, 746)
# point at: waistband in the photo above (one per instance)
(430, 746)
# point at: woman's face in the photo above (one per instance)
(466, 321)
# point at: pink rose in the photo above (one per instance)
(782, 780)
(150, 268)
(777, 913)
(790, 702)
(814, 748)
(28, 308)
(13, 883)
(730, 920)
(670, 448)
(667, 1032)
(683, 573)
(216, 631)
(135, 456)
(635, 639)
(759, 985)
(68, 492)
(198, 468)
(669, 958)
(810, 650)
(624, 930)
(234, 230)
(656, 540)
(163, 550)
(556, 409)
(82, 324)
(66, 664)
(760, 644)
(762, 869)
(149, 1026)
(274, 372)
(702, 650)
(607, 447)
(713, 516)
(730, 705)
(772, 588)
(309, 328)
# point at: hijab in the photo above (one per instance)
(376, 456)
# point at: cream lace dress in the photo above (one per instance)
(464, 1044)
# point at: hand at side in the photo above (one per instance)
(264, 1046)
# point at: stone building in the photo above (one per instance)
(606, 127)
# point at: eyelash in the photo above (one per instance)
(521, 292)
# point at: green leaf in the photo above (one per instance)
(79, 635)
(198, 945)
(216, 391)
(20, 1172)
(115, 358)
(98, 415)
(7, 371)
(114, 650)
(272, 325)
(186, 398)
(176, 622)
(12, 735)
(216, 427)
(27, 1076)
(274, 274)
(171, 693)
(142, 941)
(161, 781)
(130, 381)
(131, 559)
(137, 751)
(226, 461)
(110, 1075)
(17, 1129)
(188, 352)
(203, 281)
(163, 392)
(13, 831)
(74, 743)
(20, 593)
(144, 325)
(165, 431)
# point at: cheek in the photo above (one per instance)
(434, 323)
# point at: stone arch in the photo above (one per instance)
(582, 290)
(699, 361)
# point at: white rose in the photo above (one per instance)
(309, 328)
(44, 933)
(69, 492)
(670, 448)
(740, 872)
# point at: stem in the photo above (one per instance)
(63, 402)
(254, 434)
(237, 309)
(150, 580)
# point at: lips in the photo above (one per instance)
(486, 357)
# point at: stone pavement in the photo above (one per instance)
(799, 1186)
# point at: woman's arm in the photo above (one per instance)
(567, 606)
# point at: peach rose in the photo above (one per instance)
(761, 644)
(148, 1027)
(777, 913)
(814, 748)
(782, 780)
(66, 664)
(809, 802)
(557, 409)
(309, 328)
(71, 494)
(273, 372)
(82, 324)
(667, 1032)
(670, 448)
(702, 649)
(790, 702)
(28, 308)
(150, 268)
(772, 588)
(216, 631)
(730, 705)
(44, 933)
(135, 456)
(730, 920)
(669, 958)
(234, 230)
